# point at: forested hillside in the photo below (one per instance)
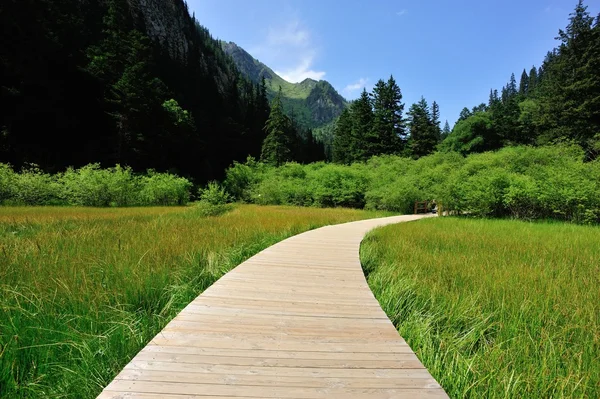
(310, 103)
(122, 81)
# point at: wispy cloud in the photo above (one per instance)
(402, 12)
(290, 49)
(351, 89)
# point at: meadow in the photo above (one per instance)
(494, 308)
(83, 289)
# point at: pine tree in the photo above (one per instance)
(464, 114)
(511, 89)
(446, 131)
(524, 84)
(533, 79)
(388, 124)
(276, 149)
(362, 127)
(435, 120)
(342, 138)
(423, 138)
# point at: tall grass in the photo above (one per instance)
(494, 308)
(83, 289)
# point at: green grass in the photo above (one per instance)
(494, 308)
(83, 289)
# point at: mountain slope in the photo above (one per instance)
(134, 82)
(312, 104)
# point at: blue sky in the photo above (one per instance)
(452, 52)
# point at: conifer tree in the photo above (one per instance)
(524, 84)
(464, 114)
(276, 148)
(446, 131)
(435, 120)
(533, 79)
(511, 89)
(388, 125)
(423, 137)
(362, 127)
(342, 138)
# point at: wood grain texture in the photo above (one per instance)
(297, 320)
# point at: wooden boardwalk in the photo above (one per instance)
(298, 320)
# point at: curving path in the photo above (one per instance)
(297, 320)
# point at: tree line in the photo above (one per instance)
(374, 124)
(557, 102)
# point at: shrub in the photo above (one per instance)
(34, 187)
(94, 186)
(213, 194)
(520, 182)
(241, 178)
(164, 189)
(7, 182)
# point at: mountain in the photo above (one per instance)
(311, 103)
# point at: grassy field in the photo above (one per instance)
(494, 308)
(83, 289)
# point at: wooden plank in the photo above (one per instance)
(297, 320)
(408, 379)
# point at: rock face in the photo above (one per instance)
(313, 103)
(166, 22)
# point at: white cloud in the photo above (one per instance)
(352, 88)
(402, 12)
(290, 50)
(301, 71)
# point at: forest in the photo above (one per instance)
(93, 85)
(86, 82)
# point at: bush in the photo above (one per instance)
(93, 186)
(214, 194)
(164, 189)
(7, 182)
(520, 182)
(240, 179)
(34, 187)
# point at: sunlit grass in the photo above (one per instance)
(83, 289)
(494, 308)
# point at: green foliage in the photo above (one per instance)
(7, 182)
(164, 189)
(520, 182)
(424, 129)
(92, 186)
(214, 194)
(122, 90)
(373, 125)
(559, 102)
(277, 146)
(34, 187)
(472, 134)
(179, 116)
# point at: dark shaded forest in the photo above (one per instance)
(99, 81)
